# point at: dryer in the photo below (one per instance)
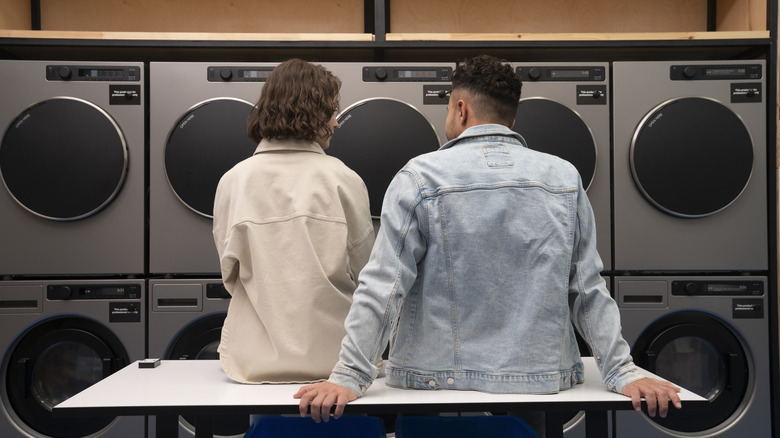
(390, 114)
(709, 334)
(197, 131)
(60, 337)
(690, 157)
(72, 168)
(564, 111)
(185, 323)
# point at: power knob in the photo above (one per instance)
(534, 74)
(689, 72)
(64, 72)
(691, 288)
(380, 74)
(62, 292)
(225, 74)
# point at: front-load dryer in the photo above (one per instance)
(564, 111)
(709, 334)
(185, 323)
(690, 151)
(197, 131)
(60, 337)
(390, 113)
(72, 201)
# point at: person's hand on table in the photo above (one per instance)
(657, 394)
(322, 396)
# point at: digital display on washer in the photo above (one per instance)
(724, 72)
(570, 74)
(255, 74)
(416, 74)
(726, 288)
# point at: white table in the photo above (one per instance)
(201, 388)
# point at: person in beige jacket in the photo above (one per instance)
(293, 230)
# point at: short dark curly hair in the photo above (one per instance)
(296, 102)
(493, 82)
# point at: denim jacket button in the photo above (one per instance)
(450, 381)
(431, 383)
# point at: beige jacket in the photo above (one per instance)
(293, 229)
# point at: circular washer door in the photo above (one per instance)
(63, 159)
(550, 127)
(691, 157)
(376, 138)
(53, 361)
(699, 352)
(199, 341)
(207, 141)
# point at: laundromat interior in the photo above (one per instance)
(118, 118)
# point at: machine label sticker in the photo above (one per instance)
(746, 93)
(124, 312)
(436, 94)
(747, 308)
(124, 94)
(591, 94)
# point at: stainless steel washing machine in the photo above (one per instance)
(564, 111)
(690, 153)
(708, 334)
(390, 114)
(185, 323)
(72, 168)
(197, 131)
(58, 338)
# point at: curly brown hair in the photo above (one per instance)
(297, 102)
(494, 81)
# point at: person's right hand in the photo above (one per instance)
(657, 394)
(322, 396)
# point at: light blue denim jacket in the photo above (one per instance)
(486, 252)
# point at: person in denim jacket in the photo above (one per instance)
(485, 257)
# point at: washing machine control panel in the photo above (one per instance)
(238, 74)
(407, 74)
(715, 72)
(89, 73)
(717, 288)
(59, 292)
(562, 74)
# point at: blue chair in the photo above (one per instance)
(359, 426)
(497, 426)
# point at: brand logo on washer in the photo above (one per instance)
(20, 122)
(187, 120)
(345, 120)
(655, 119)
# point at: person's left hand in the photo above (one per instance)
(657, 394)
(321, 397)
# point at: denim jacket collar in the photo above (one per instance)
(492, 130)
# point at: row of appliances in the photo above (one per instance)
(673, 156)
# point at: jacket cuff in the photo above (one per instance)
(350, 379)
(625, 375)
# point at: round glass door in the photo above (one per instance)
(376, 138)
(53, 361)
(550, 127)
(700, 353)
(63, 159)
(199, 341)
(691, 157)
(207, 141)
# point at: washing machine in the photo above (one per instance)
(60, 337)
(709, 334)
(198, 115)
(690, 153)
(185, 323)
(72, 157)
(390, 113)
(564, 111)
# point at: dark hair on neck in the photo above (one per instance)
(493, 84)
